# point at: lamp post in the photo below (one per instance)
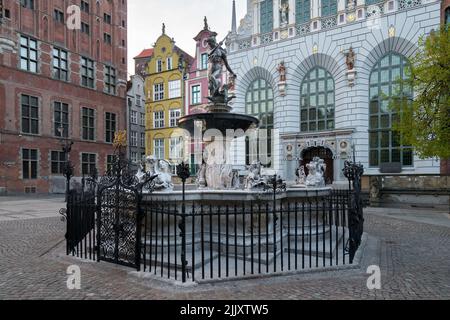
(66, 145)
(182, 67)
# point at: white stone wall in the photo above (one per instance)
(369, 43)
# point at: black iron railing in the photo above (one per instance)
(244, 239)
(191, 241)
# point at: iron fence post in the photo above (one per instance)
(183, 173)
(138, 230)
(353, 172)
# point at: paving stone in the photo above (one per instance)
(413, 256)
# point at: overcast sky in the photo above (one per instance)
(183, 19)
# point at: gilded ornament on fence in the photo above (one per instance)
(120, 139)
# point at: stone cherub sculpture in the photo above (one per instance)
(161, 168)
(317, 169)
(300, 173)
(254, 179)
(218, 58)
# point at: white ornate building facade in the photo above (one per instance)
(322, 72)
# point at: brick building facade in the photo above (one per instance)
(59, 83)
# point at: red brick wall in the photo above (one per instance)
(39, 23)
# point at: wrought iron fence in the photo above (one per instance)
(211, 242)
(188, 240)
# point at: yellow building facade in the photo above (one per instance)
(164, 89)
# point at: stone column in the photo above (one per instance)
(256, 27)
(315, 9)
(292, 11)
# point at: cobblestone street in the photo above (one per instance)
(411, 247)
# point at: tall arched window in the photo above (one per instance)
(317, 101)
(259, 103)
(447, 16)
(384, 143)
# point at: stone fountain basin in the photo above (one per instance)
(226, 196)
(219, 120)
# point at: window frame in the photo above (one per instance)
(384, 117)
(87, 73)
(31, 50)
(31, 161)
(59, 110)
(91, 165)
(159, 119)
(59, 69)
(88, 131)
(196, 95)
(110, 80)
(158, 91)
(110, 126)
(313, 116)
(174, 116)
(174, 89)
(60, 162)
(161, 147)
(254, 106)
(27, 117)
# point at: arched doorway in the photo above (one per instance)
(323, 153)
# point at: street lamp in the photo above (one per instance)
(66, 145)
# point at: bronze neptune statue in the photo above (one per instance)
(218, 58)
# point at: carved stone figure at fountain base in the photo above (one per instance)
(161, 168)
(315, 177)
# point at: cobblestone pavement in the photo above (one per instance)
(414, 258)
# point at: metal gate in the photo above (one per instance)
(119, 195)
(118, 217)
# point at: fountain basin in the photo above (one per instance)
(221, 121)
(211, 197)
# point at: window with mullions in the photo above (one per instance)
(58, 161)
(61, 119)
(204, 61)
(110, 80)
(88, 164)
(317, 101)
(329, 7)
(28, 54)
(259, 103)
(385, 144)
(60, 64)
(87, 72)
(29, 164)
(110, 127)
(88, 124)
(303, 11)
(30, 114)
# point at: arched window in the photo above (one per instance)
(259, 103)
(317, 101)
(384, 143)
(447, 15)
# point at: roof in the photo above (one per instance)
(187, 57)
(146, 53)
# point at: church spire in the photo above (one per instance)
(233, 22)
